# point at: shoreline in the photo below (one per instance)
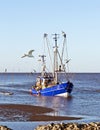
(37, 113)
(19, 112)
(70, 126)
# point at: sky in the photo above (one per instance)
(23, 23)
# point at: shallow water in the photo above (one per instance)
(84, 102)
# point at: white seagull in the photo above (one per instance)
(64, 34)
(29, 54)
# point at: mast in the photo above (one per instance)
(43, 64)
(56, 54)
(55, 57)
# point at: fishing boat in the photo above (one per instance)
(49, 83)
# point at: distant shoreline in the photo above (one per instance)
(50, 72)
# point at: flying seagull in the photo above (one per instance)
(64, 34)
(29, 54)
(67, 60)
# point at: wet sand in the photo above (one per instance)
(18, 112)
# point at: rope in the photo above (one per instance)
(48, 46)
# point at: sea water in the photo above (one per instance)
(84, 102)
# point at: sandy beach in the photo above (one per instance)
(18, 112)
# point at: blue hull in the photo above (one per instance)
(54, 90)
